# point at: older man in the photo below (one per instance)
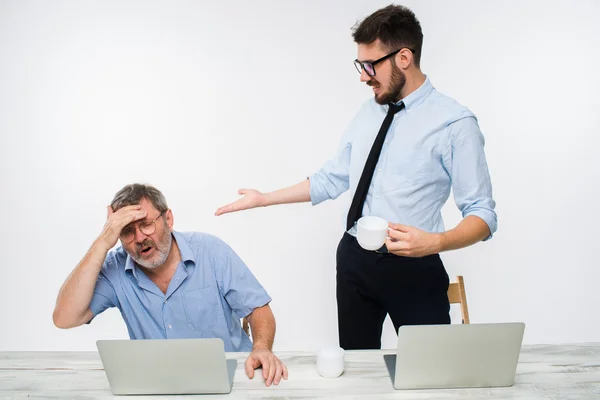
(169, 284)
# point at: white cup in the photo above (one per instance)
(371, 232)
(330, 362)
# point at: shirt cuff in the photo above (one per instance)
(260, 301)
(318, 194)
(489, 217)
(99, 303)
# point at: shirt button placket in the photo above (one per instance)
(168, 326)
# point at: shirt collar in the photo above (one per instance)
(419, 95)
(184, 247)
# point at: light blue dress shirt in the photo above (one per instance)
(433, 145)
(211, 290)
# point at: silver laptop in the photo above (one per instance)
(167, 366)
(456, 356)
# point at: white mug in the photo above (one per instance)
(372, 232)
(330, 362)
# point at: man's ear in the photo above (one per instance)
(404, 58)
(170, 220)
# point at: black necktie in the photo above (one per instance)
(360, 195)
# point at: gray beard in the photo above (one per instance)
(163, 248)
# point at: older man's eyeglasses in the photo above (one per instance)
(147, 228)
(369, 66)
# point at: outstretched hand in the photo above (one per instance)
(252, 199)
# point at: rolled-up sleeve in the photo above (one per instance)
(333, 178)
(471, 182)
(239, 286)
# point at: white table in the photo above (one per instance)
(544, 372)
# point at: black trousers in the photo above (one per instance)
(413, 291)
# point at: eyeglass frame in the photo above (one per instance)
(372, 63)
(139, 227)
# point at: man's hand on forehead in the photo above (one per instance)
(117, 220)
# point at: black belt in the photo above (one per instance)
(383, 250)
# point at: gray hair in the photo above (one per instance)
(134, 193)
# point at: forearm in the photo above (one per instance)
(75, 295)
(262, 326)
(470, 230)
(298, 193)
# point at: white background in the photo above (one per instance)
(203, 98)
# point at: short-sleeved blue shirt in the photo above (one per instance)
(210, 291)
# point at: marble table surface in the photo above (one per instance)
(544, 372)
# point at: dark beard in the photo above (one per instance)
(397, 82)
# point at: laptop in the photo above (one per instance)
(456, 356)
(167, 366)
